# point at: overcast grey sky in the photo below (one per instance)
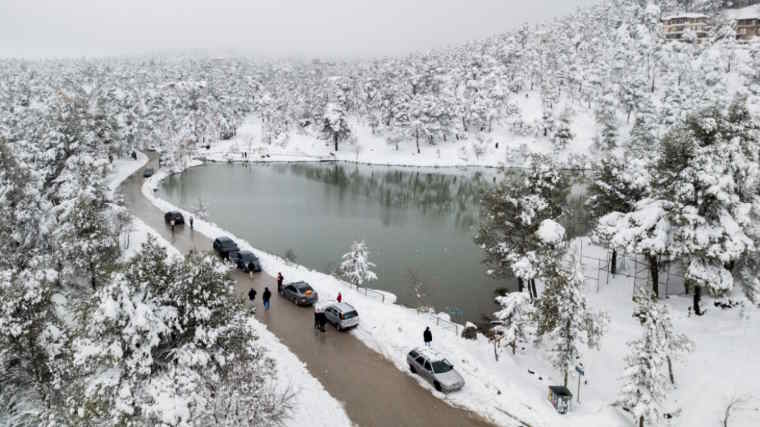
(34, 28)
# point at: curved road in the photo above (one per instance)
(374, 391)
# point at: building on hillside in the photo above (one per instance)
(677, 25)
(747, 22)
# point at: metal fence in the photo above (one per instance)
(596, 270)
(380, 296)
(442, 323)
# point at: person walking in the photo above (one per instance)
(428, 337)
(340, 297)
(191, 223)
(171, 224)
(267, 295)
(252, 294)
(280, 279)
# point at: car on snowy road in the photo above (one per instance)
(246, 261)
(147, 172)
(435, 369)
(300, 293)
(342, 315)
(174, 216)
(224, 246)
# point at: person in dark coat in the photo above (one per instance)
(280, 279)
(267, 295)
(252, 294)
(322, 321)
(427, 336)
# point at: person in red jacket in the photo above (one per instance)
(340, 297)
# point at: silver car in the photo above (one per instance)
(434, 368)
(342, 315)
(300, 293)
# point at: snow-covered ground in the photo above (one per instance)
(499, 148)
(314, 406)
(724, 365)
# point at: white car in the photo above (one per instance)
(342, 315)
(434, 368)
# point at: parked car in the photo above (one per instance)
(342, 315)
(174, 215)
(434, 368)
(148, 172)
(246, 261)
(300, 293)
(224, 246)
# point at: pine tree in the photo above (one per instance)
(511, 215)
(564, 316)
(517, 316)
(616, 187)
(649, 371)
(645, 382)
(356, 267)
(334, 124)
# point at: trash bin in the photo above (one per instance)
(560, 398)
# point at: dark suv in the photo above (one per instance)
(224, 246)
(174, 215)
(246, 261)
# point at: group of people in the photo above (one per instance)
(266, 297)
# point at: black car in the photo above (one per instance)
(148, 172)
(174, 215)
(224, 246)
(245, 260)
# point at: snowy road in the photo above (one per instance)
(374, 391)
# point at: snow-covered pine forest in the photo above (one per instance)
(89, 335)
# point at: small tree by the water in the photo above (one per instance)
(356, 267)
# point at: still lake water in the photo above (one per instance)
(417, 222)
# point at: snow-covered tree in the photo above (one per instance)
(648, 375)
(616, 186)
(562, 135)
(172, 331)
(516, 317)
(334, 125)
(564, 316)
(356, 268)
(511, 216)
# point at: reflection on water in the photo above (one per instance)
(432, 193)
(418, 222)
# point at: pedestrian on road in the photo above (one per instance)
(280, 279)
(191, 223)
(252, 294)
(428, 337)
(267, 295)
(171, 224)
(340, 297)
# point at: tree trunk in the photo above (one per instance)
(335, 139)
(697, 299)
(613, 262)
(92, 277)
(417, 138)
(670, 370)
(513, 344)
(533, 288)
(655, 275)
(520, 284)
(641, 421)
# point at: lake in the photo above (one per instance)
(418, 223)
